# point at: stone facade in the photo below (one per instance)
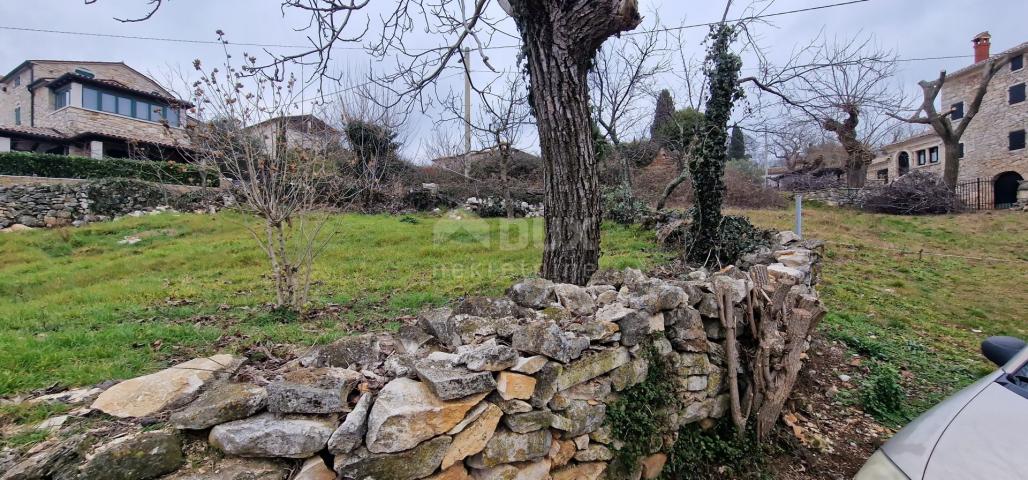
(520, 387)
(71, 128)
(987, 153)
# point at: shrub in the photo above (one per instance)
(737, 237)
(882, 394)
(620, 206)
(61, 166)
(916, 193)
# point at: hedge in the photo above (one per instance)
(62, 166)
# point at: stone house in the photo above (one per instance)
(296, 131)
(993, 147)
(95, 109)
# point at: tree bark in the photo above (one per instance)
(858, 155)
(560, 40)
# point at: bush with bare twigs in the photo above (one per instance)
(916, 193)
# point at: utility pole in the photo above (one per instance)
(467, 111)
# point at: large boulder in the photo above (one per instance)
(314, 390)
(546, 338)
(351, 433)
(166, 389)
(222, 403)
(135, 457)
(407, 413)
(270, 435)
(412, 464)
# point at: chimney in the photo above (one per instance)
(981, 42)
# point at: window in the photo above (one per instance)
(142, 110)
(84, 72)
(62, 98)
(960, 150)
(173, 117)
(958, 111)
(933, 155)
(90, 98)
(1017, 93)
(125, 106)
(1016, 140)
(17, 80)
(883, 175)
(156, 113)
(1016, 63)
(17, 115)
(108, 102)
(921, 157)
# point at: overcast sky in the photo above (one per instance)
(913, 28)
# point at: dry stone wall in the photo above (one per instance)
(519, 387)
(64, 203)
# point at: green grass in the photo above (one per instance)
(77, 308)
(923, 314)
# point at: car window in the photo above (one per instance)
(1017, 382)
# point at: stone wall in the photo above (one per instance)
(62, 202)
(838, 196)
(521, 387)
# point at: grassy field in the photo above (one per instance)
(920, 293)
(77, 308)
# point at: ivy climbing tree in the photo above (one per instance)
(708, 165)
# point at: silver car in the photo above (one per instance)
(979, 433)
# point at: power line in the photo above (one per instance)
(154, 39)
(279, 45)
(755, 17)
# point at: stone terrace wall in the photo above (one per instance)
(494, 388)
(60, 202)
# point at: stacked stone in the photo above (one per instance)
(494, 388)
(42, 205)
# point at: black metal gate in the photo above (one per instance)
(976, 195)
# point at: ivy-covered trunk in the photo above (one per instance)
(708, 165)
(560, 39)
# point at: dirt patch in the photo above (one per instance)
(825, 437)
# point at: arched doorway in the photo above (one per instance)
(903, 163)
(1004, 189)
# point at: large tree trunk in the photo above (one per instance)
(858, 155)
(561, 38)
(951, 163)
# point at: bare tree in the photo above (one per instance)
(503, 112)
(623, 75)
(245, 136)
(942, 122)
(372, 135)
(843, 87)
